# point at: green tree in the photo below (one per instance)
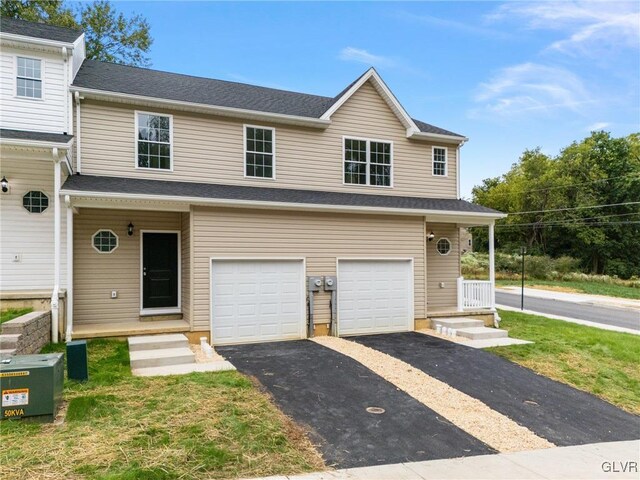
(110, 35)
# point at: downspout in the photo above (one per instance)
(65, 60)
(56, 247)
(460, 145)
(69, 305)
(78, 136)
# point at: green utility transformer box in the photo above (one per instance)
(31, 386)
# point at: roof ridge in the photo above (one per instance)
(39, 23)
(206, 78)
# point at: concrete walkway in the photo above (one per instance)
(612, 460)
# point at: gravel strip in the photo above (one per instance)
(202, 358)
(468, 413)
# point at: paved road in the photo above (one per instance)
(619, 317)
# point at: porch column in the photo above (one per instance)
(69, 305)
(492, 266)
(56, 247)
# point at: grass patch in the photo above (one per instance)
(11, 313)
(592, 288)
(601, 362)
(202, 425)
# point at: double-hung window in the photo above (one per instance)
(439, 161)
(153, 140)
(29, 78)
(259, 152)
(367, 162)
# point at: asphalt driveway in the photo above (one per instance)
(552, 410)
(329, 394)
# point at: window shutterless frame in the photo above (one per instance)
(41, 79)
(433, 161)
(245, 151)
(137, 113)
(368, 166)
(448, 244)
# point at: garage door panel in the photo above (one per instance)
(374, 296)
(257, 300)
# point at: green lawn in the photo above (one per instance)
(593, 288)
(202, 425)
(11, 313)
(602, 362)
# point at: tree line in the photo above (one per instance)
(583, 203)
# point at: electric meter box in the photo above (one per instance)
(31, 386)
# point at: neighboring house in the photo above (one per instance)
(37, 63)
(212, 207)
(466, 241)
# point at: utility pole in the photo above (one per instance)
(523, 250)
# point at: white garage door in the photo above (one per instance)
(375, 296)
(257, 301)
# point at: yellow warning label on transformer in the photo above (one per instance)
(15, 397)
(23, 373)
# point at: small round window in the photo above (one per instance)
(35, 201)
(105, 241)
(443, 246)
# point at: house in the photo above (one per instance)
(249, 214)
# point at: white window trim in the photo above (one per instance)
(15, 78)
(171, 145)
(368, 140)
(105, 230)
(450, 246)
(161, 310)
(433, 161)
(35, 190)
(245, 151)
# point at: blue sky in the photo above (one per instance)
(508, 75)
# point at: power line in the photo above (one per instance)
(565, 224)
(575, 208)
(599, 217)
(570, 185)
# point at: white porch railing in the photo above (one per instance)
(474, 294)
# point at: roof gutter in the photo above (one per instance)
(459, 216)
(19, 142)
(13, 37)
(438, 137)
(202, 108)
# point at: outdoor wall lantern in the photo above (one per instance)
(130, 229)
(431, 236)
(5, 184)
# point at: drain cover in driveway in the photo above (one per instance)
(375, 410)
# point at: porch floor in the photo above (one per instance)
(125, 329)
(453, 310)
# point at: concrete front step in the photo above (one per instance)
(183, 369)
(157, 342)
(482, 333)
(161, 357)
(457, 322)
(9, 340)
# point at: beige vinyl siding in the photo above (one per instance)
(319, 238)
(185, 259)
(29, 235)
(97, 274)
(442, 268)
(210, 149)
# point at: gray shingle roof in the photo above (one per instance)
(144, 82)
(35, 136)
(166, 188)
(38, 30)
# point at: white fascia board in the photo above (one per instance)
(387, 95)
(13, 37)
(17, 142)
(433, 215)
(438, 137)
(202, 108)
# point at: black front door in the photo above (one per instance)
(159, 270)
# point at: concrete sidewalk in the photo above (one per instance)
(581, 298)
(612, 460)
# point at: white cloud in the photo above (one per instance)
(530, 88)
(447, 24)
(588, 27)
(363, 56)
(597, 126)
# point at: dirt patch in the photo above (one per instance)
(555, 288)
(202, 358)
(468, 413)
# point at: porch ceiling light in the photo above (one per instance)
(130, 229)
(5, 184)
(431, 236)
